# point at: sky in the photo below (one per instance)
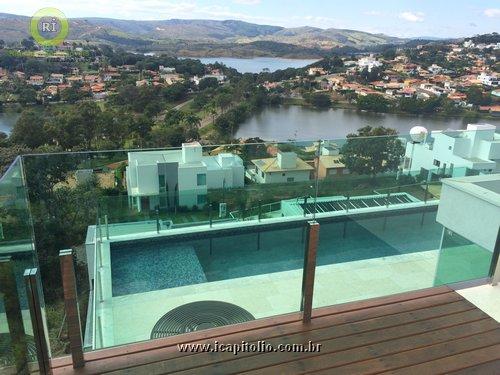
(402, 18)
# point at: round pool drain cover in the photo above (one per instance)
(196, 316)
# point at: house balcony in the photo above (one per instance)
(368, 273)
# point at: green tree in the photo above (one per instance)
(207, 83)
(163, 136)
(29, 130)
(72, 94)
(223, 100)
(211, 108)
(373, 102)
(173, 117)
(141, 126)
(380, 152)
(191, 120)
(476, 96)
(319, 100)
(28, 43)
(27, 95)
(76, 128)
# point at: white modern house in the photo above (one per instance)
(171, 178)
(489, 80)
(285, 167)
(455, 153)
(369, 63)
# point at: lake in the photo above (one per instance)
(295, 122)
(7, 121)
(257, 64)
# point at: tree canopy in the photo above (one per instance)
(380, 153)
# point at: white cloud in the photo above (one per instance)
(373, 13)
(247, 2)
(492, 12)
(412, 16)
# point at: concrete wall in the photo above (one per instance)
(188, 184)
(469, 216)
(280, 177)
(147, 179)
(287, 160)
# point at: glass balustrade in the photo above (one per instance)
(161, 236)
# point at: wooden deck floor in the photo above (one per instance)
(432, 331)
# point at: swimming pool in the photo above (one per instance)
(146, 265)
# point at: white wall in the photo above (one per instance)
(277, 177)
(188, 184)
(147, 179)
(469, 216)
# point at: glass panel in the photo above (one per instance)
(16, 254)
(461, 260)
(381, 229)
(64, 191)
(376, 245)
(154, 230)
(206, 279)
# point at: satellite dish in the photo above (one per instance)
(418, 134)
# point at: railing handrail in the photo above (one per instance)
(11, 166)
(94, 291)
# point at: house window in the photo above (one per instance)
(283, 174)
(436, 163)
(262, 174)
(161, 180)
(407, 163)
(201, 199)
(290, 179)
(201, 179)
(450, 148)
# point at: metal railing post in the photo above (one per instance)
(99, 228)
(8, 292)
(309, 270)
(495, 264)
(38, 322)
(157, 212)
(210, 214)
(107, 226)
(71, 307)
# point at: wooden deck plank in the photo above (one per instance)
(402, 362)
(395, 324)
(462, 361)
(487, 368)
(431, 306)
(334, 358)
(340, 314)
(268, 322)
(405, 332)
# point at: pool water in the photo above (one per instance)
(145, 265)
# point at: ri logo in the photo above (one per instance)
(49, 27)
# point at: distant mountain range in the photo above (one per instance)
(201, 36)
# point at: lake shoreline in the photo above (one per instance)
(257, 65)
(339, 105)
(285, 122)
